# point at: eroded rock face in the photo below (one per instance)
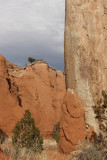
(37, 87)
(3, 69)
(85, 51)
(10, 112)
(4, 157)
(105, 31)
(73, 126)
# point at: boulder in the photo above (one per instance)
(72, 125)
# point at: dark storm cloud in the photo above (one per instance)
(32, 28)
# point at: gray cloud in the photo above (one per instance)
(32, 28)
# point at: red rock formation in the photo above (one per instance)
(10, 112)
(4, 157)
(37, 87)
(3, 69)
(73, 127)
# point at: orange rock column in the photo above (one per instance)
(72, 124)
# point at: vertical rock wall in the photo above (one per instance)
(86, 51)
(105, 32)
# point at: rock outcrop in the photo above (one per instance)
(86, 51)
(73, 126)
(36, 87)
(9, 110)
(4, 157)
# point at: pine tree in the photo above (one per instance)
(26, 135)
(56, 131)
(31, 60)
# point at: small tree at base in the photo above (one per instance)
(56, 131)
(26, 135)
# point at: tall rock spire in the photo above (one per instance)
(85, 57)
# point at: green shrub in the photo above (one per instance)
(26, 135)
(100, 111)
(31, 60)
(55, 132)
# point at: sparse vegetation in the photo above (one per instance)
(26, 154)
(26, 135)
(100, 110)
(31, 60)
(21, 153)
(55, 133)
(3, 136)
(90, 152)
(87, 151)
(27, 142)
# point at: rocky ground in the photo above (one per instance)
(50, 152)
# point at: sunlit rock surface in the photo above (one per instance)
(86, 51)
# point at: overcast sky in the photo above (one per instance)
(32, 28)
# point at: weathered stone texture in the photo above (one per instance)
(4, 157)
(73, 127)
(36, 87)
(85, 51)
(105, 31)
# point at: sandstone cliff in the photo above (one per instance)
(86, 51)
(36, 87)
